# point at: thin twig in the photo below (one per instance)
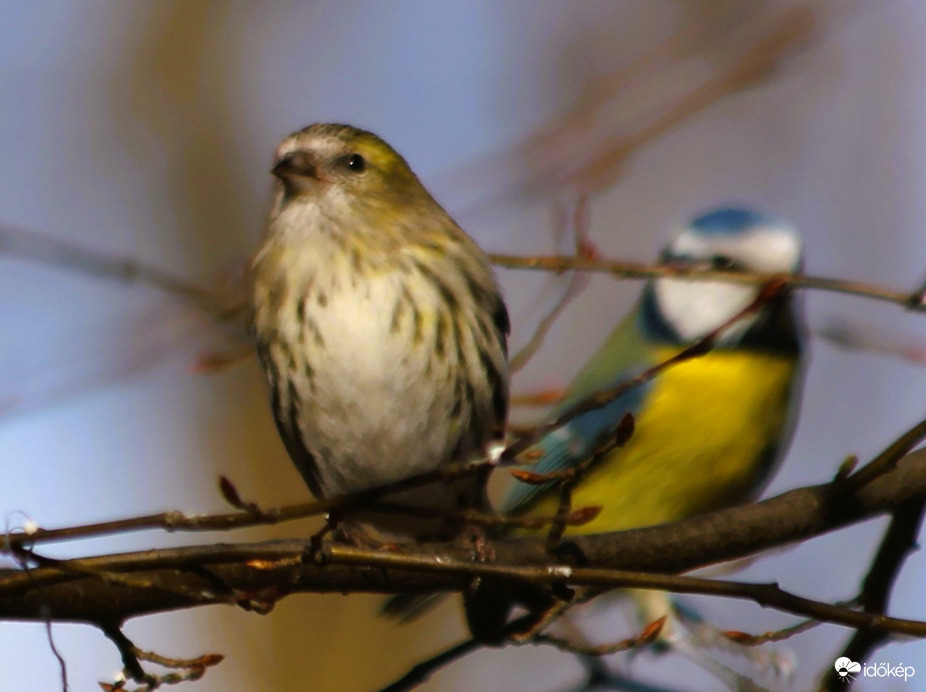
(898, 542)
(423, 670)
(746, 639)
(541, 622)
(175, 521)
(773, 287)
(884, 462)
(636, 270)
(62, 666)
(127, 651)
(66, 255)
(577, 283)
(647, 636)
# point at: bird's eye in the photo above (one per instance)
(723, 263)
(356, 163)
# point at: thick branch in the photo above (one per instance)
(256, 575)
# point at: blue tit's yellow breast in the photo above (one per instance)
(705, 437)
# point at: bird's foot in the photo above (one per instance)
(475, 540)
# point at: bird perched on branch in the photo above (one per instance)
(708, 431)
(380, 328)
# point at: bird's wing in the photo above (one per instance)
(624, 354)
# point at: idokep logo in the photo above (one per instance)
(846, 668)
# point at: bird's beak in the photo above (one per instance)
(295, 165)
(298, 172)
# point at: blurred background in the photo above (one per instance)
(146, 129)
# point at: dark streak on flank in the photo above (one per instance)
(458, 400)
(276, 296)
(292, 437)
(270, 366)
(497, 385)
(475, 418)
(301, 318)
(287, 355)
(397, 311)
(457, 450)
(447, 295)
(441, 333)
(417, 336)
(458, 341)
(356, 264)
(502, 323)
(312, 328)
(278, 406)
(309, 373)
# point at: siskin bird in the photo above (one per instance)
(380, 328)
(708, 431)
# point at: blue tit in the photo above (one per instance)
(708, 431)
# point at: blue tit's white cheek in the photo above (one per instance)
(765, 249)
(695, 308)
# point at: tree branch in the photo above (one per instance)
(898, 542)
(913, 300)
(255, 576)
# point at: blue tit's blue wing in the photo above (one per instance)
(624, 354)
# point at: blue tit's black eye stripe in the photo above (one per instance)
(725, 263)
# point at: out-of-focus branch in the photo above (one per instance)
(421, 671)
(73, 257)
(578, 222)
(66, 255)
(635, 270)
(586, 149)
(898, 542)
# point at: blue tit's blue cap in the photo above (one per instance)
(729, 221)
